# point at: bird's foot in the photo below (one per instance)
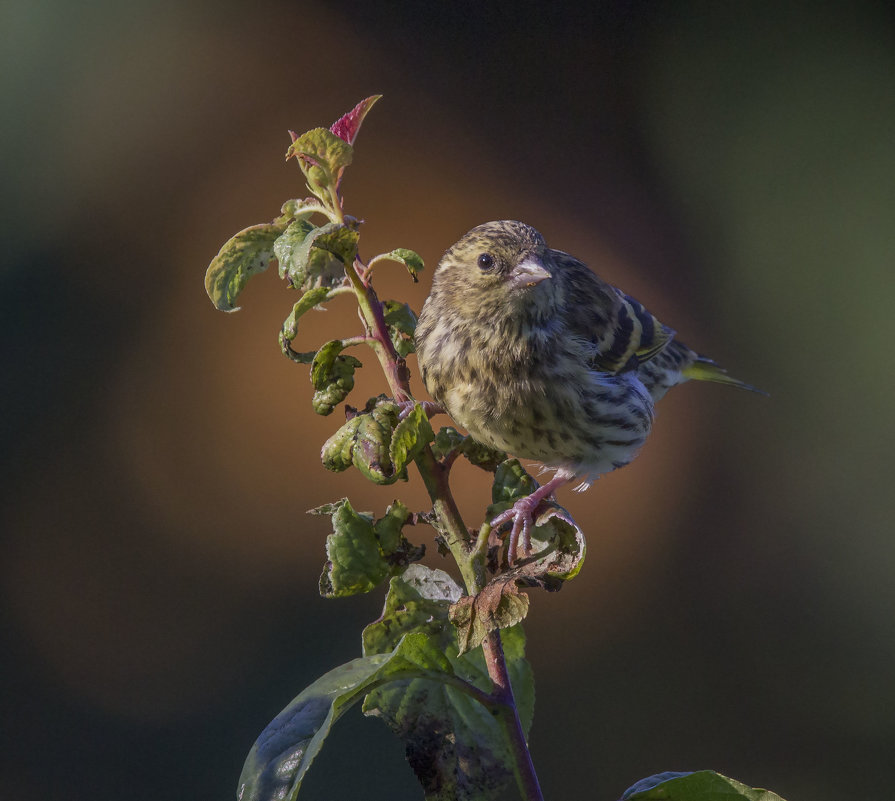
(522, 514)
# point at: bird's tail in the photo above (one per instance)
(704, 369)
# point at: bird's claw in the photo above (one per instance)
(521, 513)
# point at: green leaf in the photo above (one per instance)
(308, 301)
(314, 256)
(409, 258)
(401, 323)
(301, 209)
(417, 600)
(284, 249)
(362, 553)
(354, 560)
(281, 756)
(388, 528)
(446, 441)
(371, 454)
(454, 744)
(410, 436)
(511, 482)
(368, 439)
(703, 785)
(332, 376)
(322, 155)
(246, 254)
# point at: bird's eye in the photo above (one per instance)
(485, 261)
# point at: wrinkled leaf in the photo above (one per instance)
(446, 441)
(703, 785)
(322, 155)
(401, 323)
(409, 258)
(498, 606)
(410, 436)
(362, 553)
(244, 255)
(300, 209)
(332, 375)
(284, 249)
(511, 482)
(313, 256)
(367, 439)
(281, 756)
(348, 125)
(355, 563)
(388, 528)
(371, 454)
(311, 298)
(454, 744)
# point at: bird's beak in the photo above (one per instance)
(528, 272)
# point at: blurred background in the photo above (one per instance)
(730, 165)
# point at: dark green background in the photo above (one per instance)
(731, 165)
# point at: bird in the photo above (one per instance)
(533, 354)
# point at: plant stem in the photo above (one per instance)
(508, 715)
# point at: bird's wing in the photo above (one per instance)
(622, 333)
(634, 337)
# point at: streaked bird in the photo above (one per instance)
(533, 354)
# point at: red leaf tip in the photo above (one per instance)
(347, 126)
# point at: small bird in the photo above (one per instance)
(533, 354)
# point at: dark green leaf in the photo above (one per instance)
(409, 258)
(363, 553)
(703, 785)
(511, 482)
(280, 758)
(454, 743)
(246, 254)
(401, 323)
(446, 440)
(388, 528)
(310, 299)
(483, 456)
(354, 560)
(410, 436)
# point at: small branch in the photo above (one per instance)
(508, 715)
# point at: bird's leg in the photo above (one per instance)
(522, 515)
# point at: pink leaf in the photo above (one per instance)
(347, 126)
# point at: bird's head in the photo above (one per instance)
(505, 263)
